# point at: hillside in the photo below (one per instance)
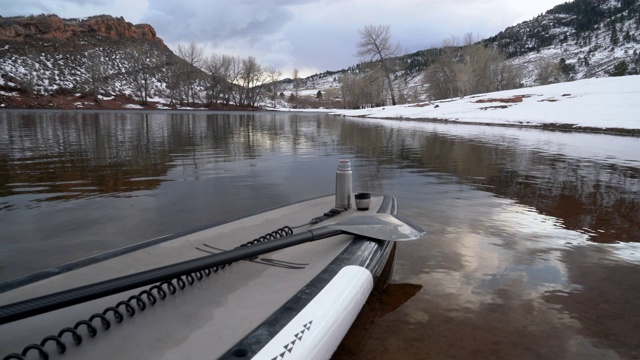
(107, 62)
(579, 39)
(590, 37)
(96, 62)
(50, 55)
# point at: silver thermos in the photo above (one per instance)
(343, 184)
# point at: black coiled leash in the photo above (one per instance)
(141, 301)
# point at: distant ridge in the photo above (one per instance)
(583, 38)
(590, 37)
(102, 55)
(99, 56)
(35, 29)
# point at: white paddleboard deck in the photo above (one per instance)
(297, 302)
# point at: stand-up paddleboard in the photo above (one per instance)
(298, 278)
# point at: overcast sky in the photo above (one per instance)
(311, 35)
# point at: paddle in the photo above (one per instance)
(378, 227)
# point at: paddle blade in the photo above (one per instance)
(380, 227)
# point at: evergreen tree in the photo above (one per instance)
(614, 35)
(620, 69)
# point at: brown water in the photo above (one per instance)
(532, 248)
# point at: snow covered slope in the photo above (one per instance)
(580, 39)
(593, 103)
(592, 36)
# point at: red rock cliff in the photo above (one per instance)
(53, 27)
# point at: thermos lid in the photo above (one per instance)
(344, 165)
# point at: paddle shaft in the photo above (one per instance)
(46, 303)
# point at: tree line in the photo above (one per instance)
(461, 68)
(467, 67)
(147, 70)
(209, 80)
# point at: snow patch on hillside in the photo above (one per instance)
(598, 103)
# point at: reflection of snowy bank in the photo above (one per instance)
(626, 251)
(546, 233)
(597, 147)
(589, 181)
(494, 248)
(594, 103)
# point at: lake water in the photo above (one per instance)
(533, 237)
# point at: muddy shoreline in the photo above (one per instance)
(20, 100)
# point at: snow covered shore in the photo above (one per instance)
(601, 103)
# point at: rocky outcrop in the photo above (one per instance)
(52, 27)
(47, 55)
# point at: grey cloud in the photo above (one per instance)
(36, 7)
(27, 7)
(216, 22)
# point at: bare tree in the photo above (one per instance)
(172, 79)
(235, 89)
(28, 83)
(224, 72)
(216, 67)
(489, 68)
(251, 78)
(547, 72)
(144, 63)
(237, 80)
(246, 79)
(440, 75)
(375, 45)
(350, 91)
(474, 66)
(193, 55)
(362, 91)
(232, 73)
(507, 76)
(469, 69)
(273, 78)
(96, 71)
(296, 82)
